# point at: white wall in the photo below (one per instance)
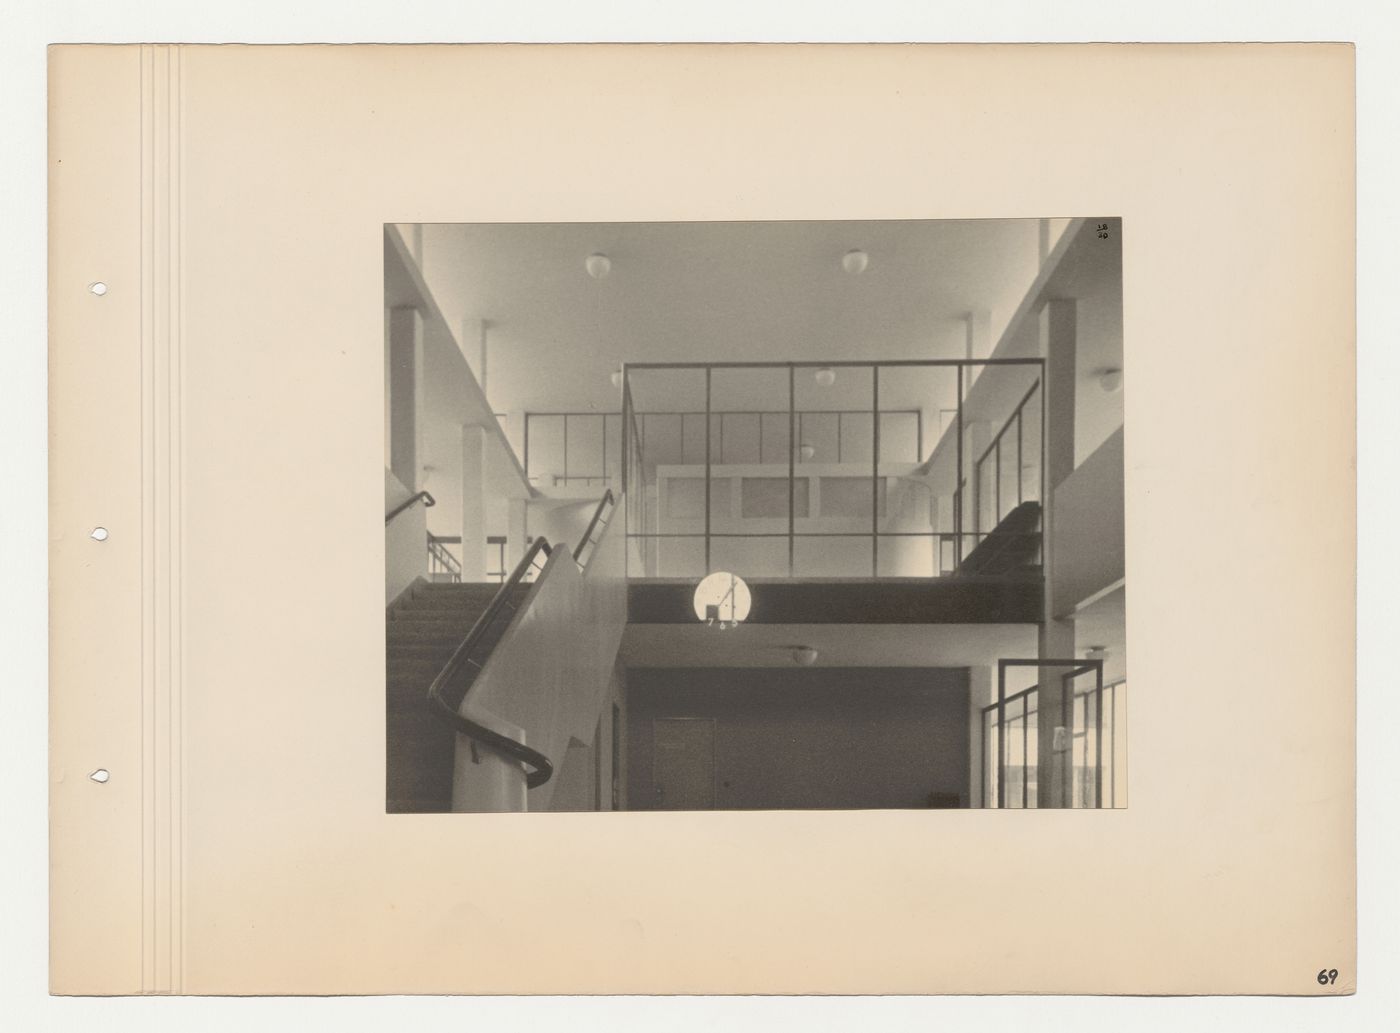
(551, 674)
(585, 779)
(405, 541)
(1088, 527)
(560, 523)
(1099, 346)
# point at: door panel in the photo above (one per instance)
(683, 764)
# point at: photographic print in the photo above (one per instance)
(755, 515)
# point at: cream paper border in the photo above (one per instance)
(245, 848)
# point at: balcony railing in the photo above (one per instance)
(442, 565)
(915, 468)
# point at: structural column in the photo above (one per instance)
(516, 531)
(1058, 335)
(406, 395)
(473, 504)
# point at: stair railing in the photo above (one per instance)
(441, 561)
(583, 552)
(465, 664)
(422, 496)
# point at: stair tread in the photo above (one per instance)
(422, 633)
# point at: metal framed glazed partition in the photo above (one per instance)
(904, 468)
(1093, 768)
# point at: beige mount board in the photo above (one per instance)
(218, 408)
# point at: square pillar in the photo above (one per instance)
(406, 395)
(1058, 337)
(516, 532)
(473, 504)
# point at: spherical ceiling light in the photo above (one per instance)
(807, 450)
(1111, 380)
(722, 599)
(826, 376)
(804, 656)
(598, 265)
(855, 261)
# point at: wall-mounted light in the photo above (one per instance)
(825, 377)
(806, 450)
(1111, 380)
(616, 378)
(598, 265)
(1095, 653)
(855, 261)
(804, 656)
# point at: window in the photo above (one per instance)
(685, 498)
(849, 497)
(767, 497)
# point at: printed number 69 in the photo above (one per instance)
(1327, 976)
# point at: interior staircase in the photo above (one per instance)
(424, 627)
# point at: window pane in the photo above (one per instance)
(585, 446)
(849, 497)
(680, 557)
(907, 556)
(546, 451)
(775, 438)
(768, 497)
(899, 435)
(754, 557)
(661, 439)
(685, 498)
(835, 556)
(857, 438)
(737, 440)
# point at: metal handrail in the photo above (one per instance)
(427, 499)
(588, 540)
(1020, 406)
(440, 560)
(462, 657)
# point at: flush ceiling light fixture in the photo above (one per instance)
(804, 656)
(1111, 380)
(855, 261)
(826, 376)
(598, 265)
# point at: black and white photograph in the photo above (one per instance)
(758, 504)
(822, 515)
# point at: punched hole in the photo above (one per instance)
(99, 534)
(100, 775)
(99, 288)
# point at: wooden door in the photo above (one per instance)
(683, 764)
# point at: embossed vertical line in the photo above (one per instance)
(161, 449)
(148, 537)
(176, 769)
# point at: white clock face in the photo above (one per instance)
(722, 597)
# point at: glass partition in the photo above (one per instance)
(1093, 758)
(886, 470)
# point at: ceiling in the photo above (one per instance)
(1103, 623)
(715, 292)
